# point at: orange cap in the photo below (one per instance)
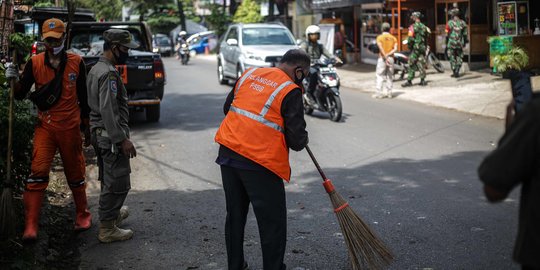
(54, 28)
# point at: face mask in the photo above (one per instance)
(56, 50)
(122, 57)
(298, 81)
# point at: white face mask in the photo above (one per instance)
(57, 50)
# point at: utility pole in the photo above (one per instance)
(271, 10)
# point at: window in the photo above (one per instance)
(266, 36)
(91, 42)
(233, 34)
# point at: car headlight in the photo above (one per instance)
(252, 56)
(155, 50)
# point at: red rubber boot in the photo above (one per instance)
(83, 220)
(32, 205)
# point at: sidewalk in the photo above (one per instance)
(476, 92)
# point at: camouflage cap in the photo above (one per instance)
(122, 37)
(416, 14)
(454, 12)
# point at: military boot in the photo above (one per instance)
(407, 84)
(124, 213)
(453, 73)
(108, 232)
(423, 82)
(456, 72)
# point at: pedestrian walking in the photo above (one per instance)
(61, 78)
(517, 161)
(264, 118)
(417, 42)
(387, 44)
(109, 118)
(457, 38)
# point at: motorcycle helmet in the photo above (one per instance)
(182, 34)
(313, 30)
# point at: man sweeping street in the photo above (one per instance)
(264, 118)
(456, 30)
(109, 118)
(61, 77)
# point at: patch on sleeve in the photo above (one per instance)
(113, 86)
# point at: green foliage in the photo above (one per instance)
(218, 19)
(248, 12)
(44, 3)
(108, 10)
(23, 44)
(163, 23)
(23, 130)
(515, 58)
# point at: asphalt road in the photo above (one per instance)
(409, 170)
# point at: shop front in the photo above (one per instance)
(514, 24)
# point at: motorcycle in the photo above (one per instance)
(326, 94)
(183, 53)
(401, 61)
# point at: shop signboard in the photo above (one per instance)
(507, 18)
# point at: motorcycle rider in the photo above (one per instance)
(182, 39)
(314, 49)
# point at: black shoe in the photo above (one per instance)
(407, 84)
(453, 74)
(246, 266)
(423, 82)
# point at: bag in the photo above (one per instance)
(46, 96)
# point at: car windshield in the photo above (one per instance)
(266, 36)
(91, 42)
(163, 41)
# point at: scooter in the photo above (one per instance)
(326, 94)
(401, 61)
(183, 53)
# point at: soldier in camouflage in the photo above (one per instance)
(456, 31)
(417, 42)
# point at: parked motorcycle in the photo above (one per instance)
(326, 94)
(401, 61)
(183, 53)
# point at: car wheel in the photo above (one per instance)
(221, 76)
(152, 113)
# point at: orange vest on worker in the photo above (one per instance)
(254, 127)
(65, 114)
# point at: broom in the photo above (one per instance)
(7, 215)
(366, 251)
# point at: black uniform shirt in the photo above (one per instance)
(517, 161)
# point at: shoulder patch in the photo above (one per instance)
(113, 86)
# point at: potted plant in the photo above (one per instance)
(511, 64)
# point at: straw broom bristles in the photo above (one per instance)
(7, 216)
(366, 251)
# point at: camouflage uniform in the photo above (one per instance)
(456, 30)
(417, 42)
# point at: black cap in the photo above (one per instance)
(122, 37)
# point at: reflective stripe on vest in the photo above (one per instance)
(244, 77)
(260, 118)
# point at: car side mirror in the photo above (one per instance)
(299, 42)
(232, 42)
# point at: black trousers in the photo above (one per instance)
(266, 193)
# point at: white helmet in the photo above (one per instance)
(313, 29)
(182, 33)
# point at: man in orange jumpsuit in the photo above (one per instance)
(58, 127)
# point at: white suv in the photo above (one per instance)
(252, 45)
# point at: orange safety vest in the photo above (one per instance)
(254, 127)
(65, 114)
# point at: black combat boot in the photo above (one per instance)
(423, 82)
(407, 84)
(456, 72)
(453, 73)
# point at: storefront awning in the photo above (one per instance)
(325, 4)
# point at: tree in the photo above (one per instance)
(218, 19)
(248, 12)
(108, 10)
